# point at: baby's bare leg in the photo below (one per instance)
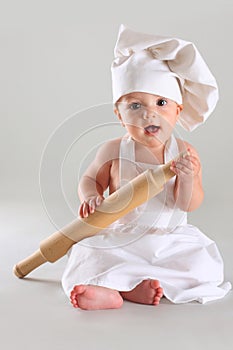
(147, 292)
(88, 297)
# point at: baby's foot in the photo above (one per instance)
(147, 292)
(89, 297)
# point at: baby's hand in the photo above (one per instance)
(186, 167)
(89, 206)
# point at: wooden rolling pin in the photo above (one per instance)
(142, 188)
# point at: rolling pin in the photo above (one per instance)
(136, 192)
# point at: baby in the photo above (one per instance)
(151, 252)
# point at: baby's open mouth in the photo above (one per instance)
(151, 129)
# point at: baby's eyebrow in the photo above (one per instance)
(133, 99)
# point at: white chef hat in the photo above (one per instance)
(167, 67)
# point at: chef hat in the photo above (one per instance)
(167, 67)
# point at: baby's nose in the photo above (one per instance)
(149, 114)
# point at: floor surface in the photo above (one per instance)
(36, 314)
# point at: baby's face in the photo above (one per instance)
(148, 118)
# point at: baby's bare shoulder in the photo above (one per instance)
(109, 150)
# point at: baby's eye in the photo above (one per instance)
(135, 105)
(162, 102)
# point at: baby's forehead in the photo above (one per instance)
(139, 95)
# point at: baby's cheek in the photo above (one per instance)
(167, 125)
(132, 121)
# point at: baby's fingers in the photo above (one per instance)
(182, 168)
(89, 207)
(92, 205)
(193, 164)
(184, 164)
(84, 210)
(99, 200)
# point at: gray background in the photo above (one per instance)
(55, 83)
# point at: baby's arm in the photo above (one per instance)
(96, 180)
(188, 190)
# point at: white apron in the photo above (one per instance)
(154, 241)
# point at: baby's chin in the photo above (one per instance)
(149, 141)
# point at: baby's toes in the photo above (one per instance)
(156, 300)
(74, 301)
(159, 292)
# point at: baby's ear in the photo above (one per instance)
(179, 110)
(118, 114)
(116, 110)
